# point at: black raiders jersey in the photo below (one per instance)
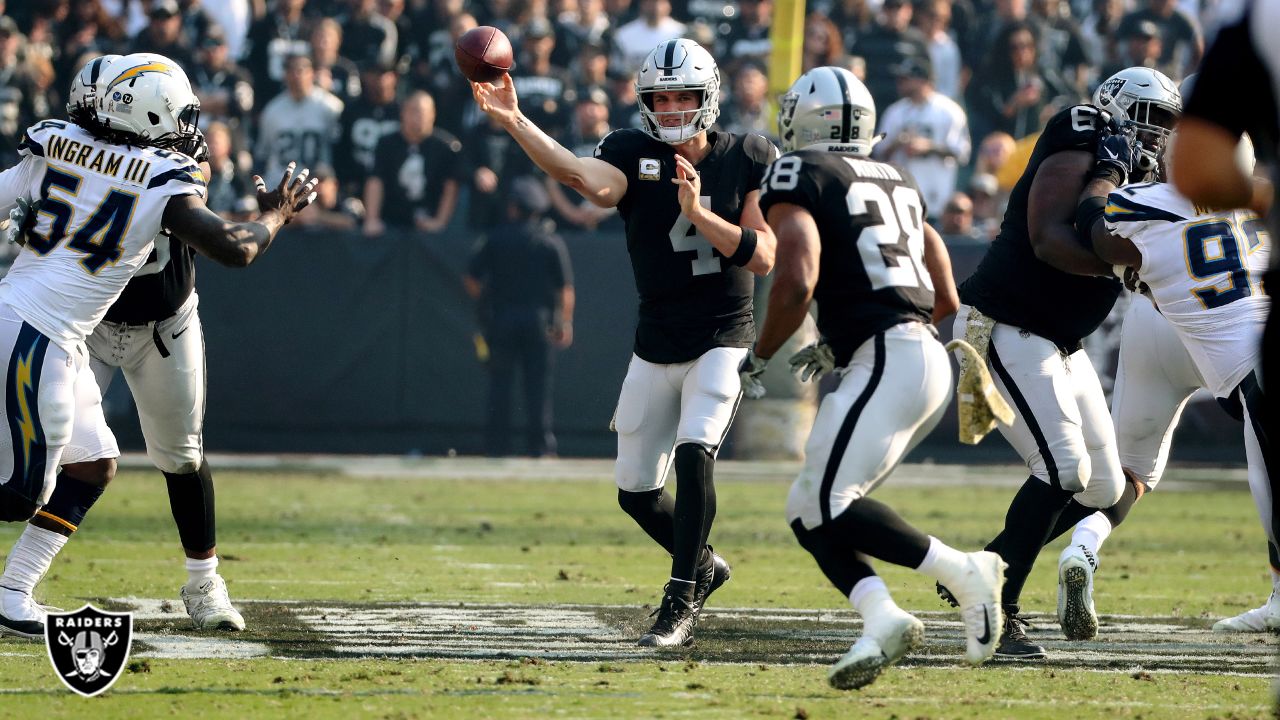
(870, 217)
(1012, 285)
(160, 286)
(691, 298)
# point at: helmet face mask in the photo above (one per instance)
(827, 106)
(1149, 101)
(676, 66)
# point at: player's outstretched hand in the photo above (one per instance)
(1118, 152)
(813, 361)
(497, 101)
(291, 196)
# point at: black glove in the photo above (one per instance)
(1117, 154)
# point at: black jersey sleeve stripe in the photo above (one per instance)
(1024, 411)
(841, 442)
(182, 174)
(30, 146)
(1122, 209)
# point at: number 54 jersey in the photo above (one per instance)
(691, 298)
(870, 216)
(100, 208)
(1204, 269)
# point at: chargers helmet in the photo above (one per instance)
(81, 98)
(148, 97)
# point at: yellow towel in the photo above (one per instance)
(979, 403)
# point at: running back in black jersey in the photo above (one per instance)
(691, 298)
(1015, 287)
(870, 217)
(160, 286)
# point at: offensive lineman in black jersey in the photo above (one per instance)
(695, 234)
(852, 236)
(153, 333)
(1038, 292)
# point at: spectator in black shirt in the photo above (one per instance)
(591, 69)
(416, 173)
(748, 108)
(231, 192)
(588, 25)
(494, 155)
(540, 85)
(748, 36)
(887, 44)
(1062, 51)
(225, 90)
(522, 278)
(1141, 46)
(364, 123)
(163, 34)
(1182, 42)
(370, 37)
(1012, 94)
(334, 72)
(442, 79)
(590, 125)
(279, 34)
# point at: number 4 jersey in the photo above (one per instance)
(870, 216)
(1204, 270)
(691, 298)
(101, 206)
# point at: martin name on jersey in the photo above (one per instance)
(870, 218)
(101, 206)
(691, 298)
(1204, 269)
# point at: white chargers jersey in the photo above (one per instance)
(101, 207)
(1205, 271)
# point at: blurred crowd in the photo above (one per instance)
(366, 92)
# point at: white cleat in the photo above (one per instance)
(978, 593)
(1076, 614)
(884, 642)
(20, 615)
(210, 607)
(1257, 620)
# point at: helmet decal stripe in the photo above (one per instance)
(95, 67)
(846, 115)
(670, 61)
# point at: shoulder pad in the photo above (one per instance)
(176, 167)
(1147, 202)
(34, 139)
(1073, 128)
(759, 149)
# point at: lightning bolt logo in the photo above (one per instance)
(137, 70)
(26, 419)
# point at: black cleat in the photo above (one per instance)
(1014, 644)
(674, 626)
(710, 579)
(946, 595)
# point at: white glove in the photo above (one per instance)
(15, 225)
(813, 361)
(749, 373)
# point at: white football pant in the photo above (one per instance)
(1061, 426)
(894, 391)
(163, 363)
(662, 406)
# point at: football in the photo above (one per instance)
(484, 54)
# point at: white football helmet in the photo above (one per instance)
(678, 65)
(827, 106)
(148, 97)
(80, 99)
(1149, 100)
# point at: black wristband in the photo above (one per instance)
(746, 248)
(1088, 212)
(1108, 172)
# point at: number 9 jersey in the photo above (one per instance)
(100, 209)
(870, 217)
(691, 298)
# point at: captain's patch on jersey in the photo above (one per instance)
(650, 169)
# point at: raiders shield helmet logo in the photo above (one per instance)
(88, 647)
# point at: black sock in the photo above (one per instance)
(873, 528)
(1118, 512)
(1030, 517)
(191, 502)
(837, 560)
(654, 511)
(70, 501)
(695, 509)
(1071, 514)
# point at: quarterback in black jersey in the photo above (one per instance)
(852, 236)
(689, 199)
(1038, 292)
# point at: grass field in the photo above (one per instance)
(472, 589)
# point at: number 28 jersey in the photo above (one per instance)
(101, 206)
(870, 217)
(691, 298)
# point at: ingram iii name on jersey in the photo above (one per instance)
(691, 298)
(1204, 269)
(101, 206)
(1015, 287)
(870, 217)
